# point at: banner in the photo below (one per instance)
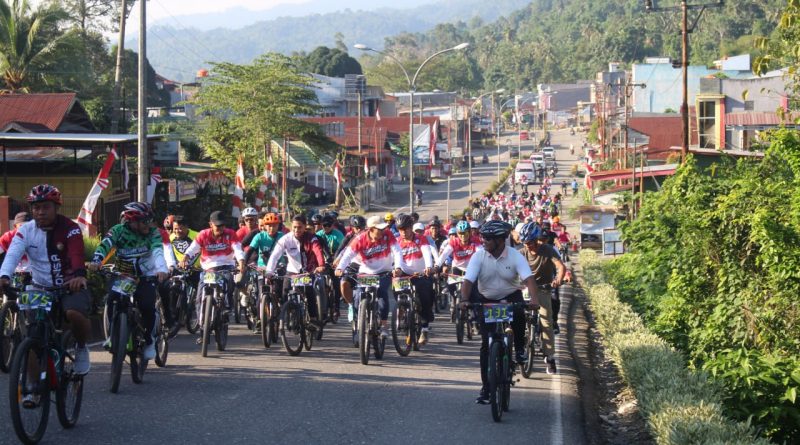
(101, 183)
(238, 190)
(422, 147)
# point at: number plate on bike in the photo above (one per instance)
(35, 299)
(304, 280)
(401, 284)
(368, 281)
(498, 313)
(454, 279)
(124, 285)
(212, 278)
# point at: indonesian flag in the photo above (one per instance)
(378, 115)
(337, 173)
(238, 189)
(434, 132)
(100, 184)
(262, 189)
(366, 166)
(155, 178)
(270, 173)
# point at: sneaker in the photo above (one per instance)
(384, 332)
(483, 397)
(107, 344)
(556, 329)
(82, 364)
(150, 351)
(550, 365)
(30, 401)
(521, 357)
(350, 314)
(423, 338)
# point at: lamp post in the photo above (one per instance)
(412, 86)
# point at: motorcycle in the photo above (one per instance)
(485, 158)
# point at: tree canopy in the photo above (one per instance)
(333, 62)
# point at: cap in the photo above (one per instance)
(474, 225)
(418, 226)
(376, 222)
(22, 217)
(217, 218)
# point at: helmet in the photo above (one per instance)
(44, 192)
(249, 212)
(137, 211)
(495, 229)
(334, 214)
(316, 219)
(358, 221)
(328, 219)
(168, 221)
(388, 217)
(452, 231)
(404, 221)
(462, 226)
(527, 232)
(270, 218)
(474, 225)
(435, 222)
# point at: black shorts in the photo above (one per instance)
(79, 301)
(349, 274)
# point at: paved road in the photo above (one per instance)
(251, 395)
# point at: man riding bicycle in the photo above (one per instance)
(332, 238)
(498, 271)
(138, 248)
(53, 244)
(417, 260)
(357, 225)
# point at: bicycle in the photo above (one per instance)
(441, 299)
(269, 310)
(295, 322)
(43, 363)
(533, 337)
(162, 331)
(501, 369)
(461, 317)
(212, 306)
(368, 325)
(252, 298)
(182, 292)
(12, 329)
(405, 319)
(127, 334)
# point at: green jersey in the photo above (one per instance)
(136, 254)
(264, 243)
(333, 240)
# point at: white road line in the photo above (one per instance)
(557, 427)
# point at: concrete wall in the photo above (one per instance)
(766, 93)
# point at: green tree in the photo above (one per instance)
(247, 106)
(27, 39)
(333, 62)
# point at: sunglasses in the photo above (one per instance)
(327, 225)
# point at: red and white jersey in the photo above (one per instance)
(5, 243)
(417, 255)
(374, 256)
(461, 252)
(216, 251)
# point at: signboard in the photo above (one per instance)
(181, 190)
(422, 144)
(422, 155)
(456, 152)
(166, 151)
(612, 242)
(447, 169)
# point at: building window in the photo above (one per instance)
(749, 105)
(334, 129)
(707, 124)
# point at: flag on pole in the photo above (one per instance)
(126, 175)
(262, 189)
(100, 184)
(271, 173)
(432, 144)
(366, 166)
(238, 189)
(155, 178)
(378, 115)
(337, 173)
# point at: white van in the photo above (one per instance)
(538, 160)
(549, 153)
(524, 170)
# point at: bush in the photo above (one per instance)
(680, 406)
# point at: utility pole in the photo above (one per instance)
(496, 136)
(118, 70)
(685, 7)
(628, 93)
(359, 133)
(142, 170)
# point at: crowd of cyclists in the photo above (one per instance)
(508, 247)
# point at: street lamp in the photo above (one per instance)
(469, 135)
(412, 86)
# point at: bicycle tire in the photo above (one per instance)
(15, 386)
(459, 325)
(10, 334)
(221, 324)
(206, 332)
(265, 315)
(119, 342)
(192, 321)
(527, 367)
(363, 333)
(378, 341)
(494, 378)
(416, 327)
(136, 357)
(106, 319)
(162, 339)
(508, 375)
(308, 339)
(235, 306)
(401, 335)
(69, 393)
(291, 323)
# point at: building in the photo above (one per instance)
(43, 113)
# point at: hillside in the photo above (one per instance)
(179, 53)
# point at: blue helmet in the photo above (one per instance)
(527, 233)
(462, 227)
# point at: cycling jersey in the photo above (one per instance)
(179, 246)
(461, 252)
(55, 254)
(303, 255)
(374, 256)
(5, 243)
(216, 251)
(166, 247)
(333, 239)
(263, 244)
(416, 254)
(136, 254)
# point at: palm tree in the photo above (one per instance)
(27, 38)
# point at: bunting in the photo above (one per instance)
(101, 183)
(238, 190)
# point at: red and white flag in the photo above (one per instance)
(337, 173)
(265, 186)
(238, 190)
(101, 183)
(366, 166)
(378, 115)
(434, 133)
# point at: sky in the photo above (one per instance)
(160, 9)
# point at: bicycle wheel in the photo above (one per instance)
(401, 334)
(29, 423)
(495, 378)
(10, 334)
(453, 308)
(236, 307)
(460, 314)
(250, 312)
(106, 319)
(416, 327)
(191, 321)
(530, 332)
(363, 332)
(162, 339)
(378, 341)
(69, 393)
(321, 299)
(221, 324)
(308, 339)
(508, 374)
(292, 330)
(442, 300)
(208, 304)
(265, 315)
(136, 357)
(119, 343)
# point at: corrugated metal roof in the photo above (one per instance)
(754, 119)
(46, 110)
(70, 138)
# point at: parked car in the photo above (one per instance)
(523, 135)
(538, 160)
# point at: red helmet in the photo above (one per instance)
(44, 192)
(137, 211)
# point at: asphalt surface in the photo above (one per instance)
(248, 394)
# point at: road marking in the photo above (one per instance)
(557, 427)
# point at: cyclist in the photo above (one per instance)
(461, 248)
(304, 253)
(262, 244)
(357, 225)
(574, 186)
(474, 227)
(219, 249)
(332, 239)
(180, 240)
(417, 260)
(419, 229)
(250, 218)
(378, 253)
(498, 270)
(53, 244)
(548, 271)
(23, 267)
(138, 249)
(436, 233)
(389, 219)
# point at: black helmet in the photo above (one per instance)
(334, 214)
(328, 219)
(495, 229)
(316, 219)
(358, 221)
(404, 221)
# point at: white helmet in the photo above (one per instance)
(474, 225)
(249, 212)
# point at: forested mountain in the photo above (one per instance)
(567, 40)
(179, 53)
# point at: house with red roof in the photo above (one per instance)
(43, 113)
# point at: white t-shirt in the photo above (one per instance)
(499, 277)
